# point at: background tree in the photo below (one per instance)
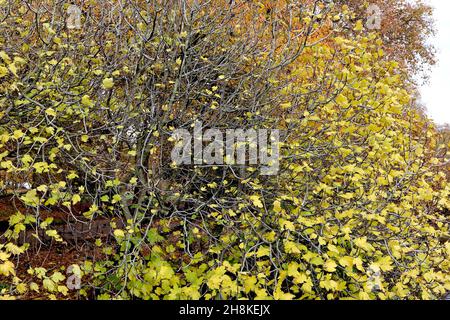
(406, 27)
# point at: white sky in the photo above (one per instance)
(436, 94)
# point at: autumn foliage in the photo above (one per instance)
(358, 209)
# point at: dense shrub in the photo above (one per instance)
(357, 209)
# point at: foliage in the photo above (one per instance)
(405, 29)
(358, 209)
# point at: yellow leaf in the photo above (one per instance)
(31, 198)
(51, 112)
(4, 256)
(76, 198)
(116, 198)
(18, 134)
(34, 286)
(279, 295)
(52, 234)
(288, 225)
(363, 295)
(256, 200)
(5, 57)
(329, 284)
(12, 67)
(3, 71)
(277, 206)
(108, 83)
(385, 263)
(7, 268)
(49, 285)
(291, 247)
(363, 244)
(342, 100)
(359, 26)
(346, 262)
(22, 288)
(330, 266)
(263, 251)
(63, 290)
(72, 176)
(133, 180)
(11, 247)
(347, 196)
(286, 105)
(119, 233)
(250, 284)
(86, 101)
(58, 277)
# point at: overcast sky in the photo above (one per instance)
(436, 95)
